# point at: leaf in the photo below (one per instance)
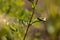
(13, 29)
(33, 6)
(22, 13)
(26, 16)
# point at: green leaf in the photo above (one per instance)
(13, 28)
(33, 6)
(26, 16)
(22, 13)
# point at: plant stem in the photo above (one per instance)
(30, 20)
(34, 22)
(29, 25)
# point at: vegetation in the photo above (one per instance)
(40, 23)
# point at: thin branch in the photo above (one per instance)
(29, 24)
(38, 20)
(30, 20)
(34, 22)
(36, 2)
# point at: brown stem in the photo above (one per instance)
(30, 20)
(29, 24)
(34, 22)
(36, 2)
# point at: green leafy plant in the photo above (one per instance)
(15, 20)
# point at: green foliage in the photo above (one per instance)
(17, 18)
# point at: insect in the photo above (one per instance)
(44, 20)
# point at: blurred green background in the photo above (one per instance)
(15, 16)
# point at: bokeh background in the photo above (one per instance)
(15, 16)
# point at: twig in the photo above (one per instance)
(34, 22)
(36, 2)
(30, 20)
(29, 25)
